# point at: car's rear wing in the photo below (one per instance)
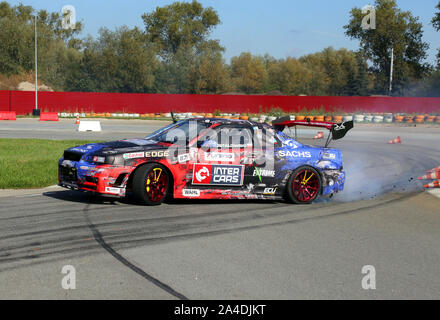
(337, 131)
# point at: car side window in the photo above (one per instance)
(228, 137)
(265, 136)
(234, 137)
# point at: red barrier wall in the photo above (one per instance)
(23, 102)
(4, 101)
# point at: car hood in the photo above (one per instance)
(118, 147)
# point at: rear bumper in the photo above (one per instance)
(333, 181)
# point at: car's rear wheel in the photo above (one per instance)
(151, 184)
(304, 185)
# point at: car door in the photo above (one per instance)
(260, 173)
(219, 164)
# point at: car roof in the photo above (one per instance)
(227, 121)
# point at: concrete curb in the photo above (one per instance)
(6, 193)
(434, 192)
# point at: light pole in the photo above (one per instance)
(391, 70)
(36, 111)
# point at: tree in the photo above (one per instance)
(173, 75)
(209, 73)
(17, 43)
(436, 24)
(341, 68)
(118, 61)
(436, 19)
(248, 73)
(359, 84)
(319, 82)
(395, 29)
(290, 75)
(273, 68)
(180, 23)
(189, 61)
(16, 38)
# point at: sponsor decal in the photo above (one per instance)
(183, 158)
(203, 174)
(191, 193)
(220, 157)
(219, 175)
(339, 127)
(295, 154)
(134, 155)
(264, 173)
(86, 168)
(290, 144)
(329, 156)
(117, 191)
(99, 159)
(235, 146)
(156, 154)
(95, 171)
(270, 191)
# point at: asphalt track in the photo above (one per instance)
(232, 249)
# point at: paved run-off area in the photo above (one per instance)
(233, 249)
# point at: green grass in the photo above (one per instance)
(31, 163)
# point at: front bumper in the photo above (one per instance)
(102, 179)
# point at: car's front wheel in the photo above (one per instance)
(304, 185)
(151, 184)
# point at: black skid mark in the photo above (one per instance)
(98, 237)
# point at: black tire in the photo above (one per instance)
(143, 184)
(295, 193)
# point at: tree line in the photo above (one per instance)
(173, 53)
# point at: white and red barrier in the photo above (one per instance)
(8, 115)
(434, 170)
(433, 174)
(49, 116)
(398, 140)
(435, 184)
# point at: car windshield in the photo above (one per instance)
(179, 133)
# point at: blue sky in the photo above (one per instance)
(280, 27)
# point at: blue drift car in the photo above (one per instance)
(210, 159)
